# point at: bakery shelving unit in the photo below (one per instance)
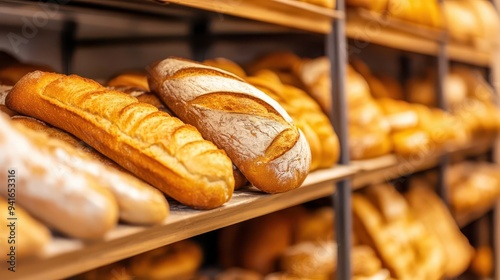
(66, 257)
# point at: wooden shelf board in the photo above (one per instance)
(469, 55)
(392, 167)
(377, 32)
(289, 13)
(388, 167)
(66, 257)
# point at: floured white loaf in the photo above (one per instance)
(254, 130)
(56, 194)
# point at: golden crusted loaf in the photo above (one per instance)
(156, 147)
(127, 87)
(374, 5)
(31, 236)
(428, 208)
(4, 90)
(472, 185)
(9, 75)
(255, 131)
(61, 196)
(382, 220)
(323, 3)
(180, 260)
(226, 65)
(306, 114)
(135, 79)
(138, 202)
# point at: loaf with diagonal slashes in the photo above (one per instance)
(254, 130)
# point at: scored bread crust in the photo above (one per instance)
(150, 98)
(156, 147)
(138, 202)
(257, 134)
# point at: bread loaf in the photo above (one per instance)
(428, 208)
(154, 146)
(180, 260)
(306, 114)
(30, 236)
(9, 75)
(134, 79)
(330, 4)
(310, 259)
(238, 274)
(147, 97)
(59, 195)
(257, 134)
(226, 65)
(138, 202)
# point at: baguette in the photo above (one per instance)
(56, 194)
(257, 134)
(133, 79)
(154, 146)
(147, 97)
(31, 236)
(139, 203)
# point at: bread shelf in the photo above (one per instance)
(289, 13)
(67, 257)
(469, 55)
(388, 167)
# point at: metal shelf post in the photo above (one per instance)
(336, 52)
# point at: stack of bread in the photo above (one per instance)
(423, 12)
(415, 129)
(468, 96)
(416, 237)
(113, 154)
(472, 22)
(293, 244)
(368, 129)
(303, 109)
(472, 186)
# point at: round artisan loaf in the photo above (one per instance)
(254, 130)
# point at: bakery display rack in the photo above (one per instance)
(66, 257)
